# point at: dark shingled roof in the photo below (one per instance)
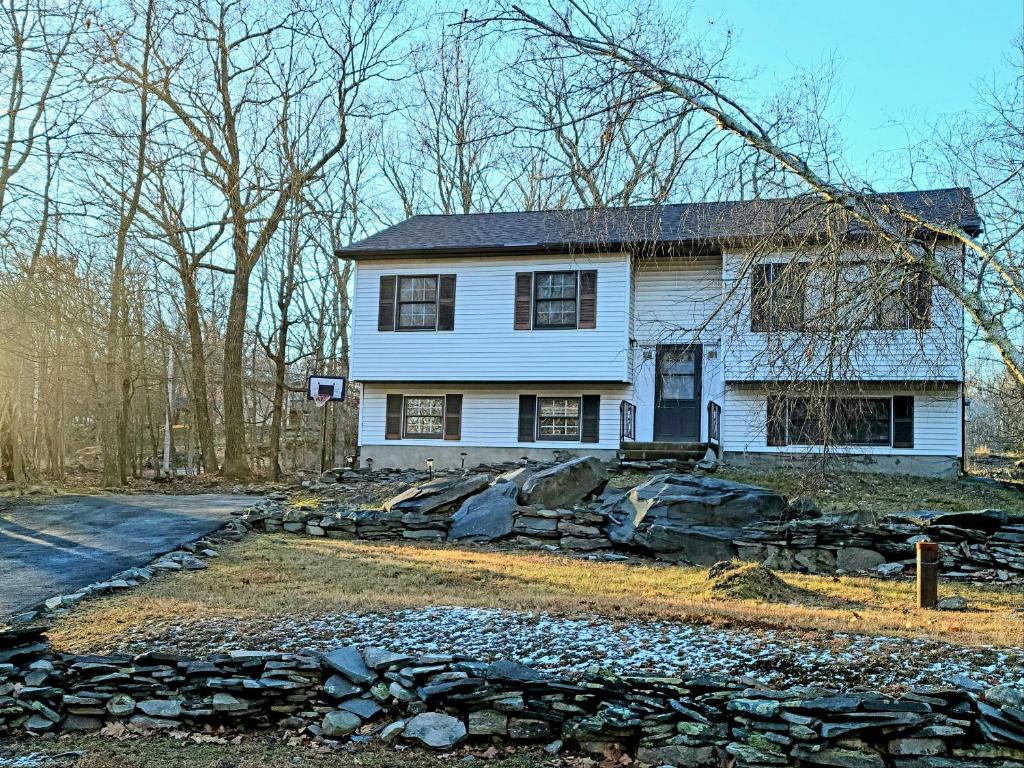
(691, 225)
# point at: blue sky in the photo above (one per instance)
(903, 63)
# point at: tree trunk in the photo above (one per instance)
(200, 395)
(236, 464)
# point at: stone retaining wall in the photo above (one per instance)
(982, 545)
(439, 701)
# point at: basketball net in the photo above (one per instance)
(321, 400)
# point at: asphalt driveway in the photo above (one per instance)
(56, 546)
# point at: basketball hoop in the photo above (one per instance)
(321, 400)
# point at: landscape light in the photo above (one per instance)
(430, 468)
(463, 455)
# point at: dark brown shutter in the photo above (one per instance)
(452, 417)
(527, 418)
(446, 303)
(903, 421)
(524, 301)
(776, 420)
(393, 420)
(921, 302)
(760, 279)
(386, 305)
(590, 424)
(588, 299)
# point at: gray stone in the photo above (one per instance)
(989, 520)
(436, 494)
(677, 754)
(365, 708)
(952, 603)
(225, 702)
(917, 747)
(511, 671)
(338, 687)
(163, 708)
(858, 559)
(842, 758)
(349, 663)
(435, 730)
(121, 705)
(381, 658)
(487, 516)
(565, 484)
(401, 693)
(1005, 696)
(517, 476)
(488, 722)
(690, 517)
(392, 731)
(528, 729)
(816, 560)
(340, 723)
(889, 569)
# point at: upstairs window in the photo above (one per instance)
(777, 294)
(553, 300)
(416, 303)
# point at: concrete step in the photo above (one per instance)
(632, 451)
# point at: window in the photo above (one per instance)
(835, 421)
(424, 417)
(558, 418)
(777, 296)
(417, 303)
(554, 304)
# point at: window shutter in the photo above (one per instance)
(921, 302)
(760, 278)
(590, 425)
(588, 299)
(393, 420)
(446, 303)
(903, 421)
(452, 417)
(527, 418)
(386, 305)
(524, 301)
(776, 420)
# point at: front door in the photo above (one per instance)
(677, 393)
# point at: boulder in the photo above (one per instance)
(690, 517)
(518, 476)
(989, 520)
(565, 484)
(435, 730)
(952, 603)
(340, 723)
(436, 494)
(858, 559)
(487, 516)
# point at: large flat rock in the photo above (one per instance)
(436, 494)
(690, 517)
(565, 484)
(487, 516)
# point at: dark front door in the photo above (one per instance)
(677, 394)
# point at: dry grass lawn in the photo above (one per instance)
(164, 752)
(280, 575)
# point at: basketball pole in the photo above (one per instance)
(323, 439)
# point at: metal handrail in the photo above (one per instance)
(715, 427)
(627, 421)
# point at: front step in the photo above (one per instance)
(632, 451)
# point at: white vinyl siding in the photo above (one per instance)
(490, 415)
(877, 355)
(937, 423)
(484, 346)
(674, 300)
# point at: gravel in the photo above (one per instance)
(571, 645)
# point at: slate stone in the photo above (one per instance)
(392, 731)
(511, 671)
(690, 517)
(163, 708)
(677, 754)
(565, 484)
(436, 494)
(988, 520)
(381, 658)
(858, 559)
(435, 730)
(528, 729)
(121, 705)
(488, 722)
(338, 687)
(365, 708)
(841, 758)
(487, 516)
(350, 664)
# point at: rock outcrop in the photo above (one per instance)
(487, 516)
(690, 517)
(565, 484)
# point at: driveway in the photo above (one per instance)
(56, 546)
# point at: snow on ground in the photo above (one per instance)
(571, 645)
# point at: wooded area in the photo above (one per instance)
(175, 178)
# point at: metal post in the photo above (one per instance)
(927, 574)
(323, 439)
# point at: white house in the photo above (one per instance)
(652, 331)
